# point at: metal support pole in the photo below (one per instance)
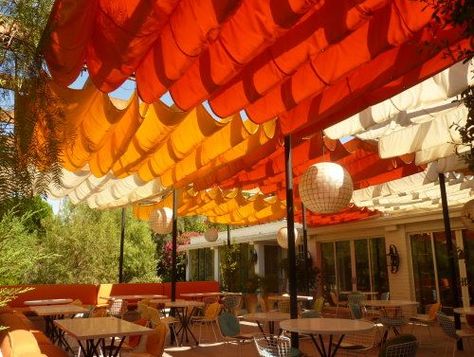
(122, 240)
(228, 235)
(305, 248)
(174, 246)
(290, 225)
(450, 252)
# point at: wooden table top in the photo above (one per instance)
(100, 327)
(51, 310)
(287, 297)
(47, 302)
(215, 293)
(326, 326)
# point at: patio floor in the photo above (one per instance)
(435, 346)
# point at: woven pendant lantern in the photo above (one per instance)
(161, 220)
(326, 187)
(467, 215)
(282, 237)
(211, 235)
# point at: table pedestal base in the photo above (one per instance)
(332, 348)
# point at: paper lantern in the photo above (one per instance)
(211, 235)
(282, 237)
(161, 220)
(326, 187)
(467, 215)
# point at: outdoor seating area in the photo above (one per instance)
(193, 326)
(272, 178)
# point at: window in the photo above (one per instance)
(343, 266)
(202, 264)
(328, 267)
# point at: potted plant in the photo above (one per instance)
(250, 290)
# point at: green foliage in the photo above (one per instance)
(21, 255)
(85, 245)
(237, 269)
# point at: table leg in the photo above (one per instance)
(271, 327)
(112, 349)
(90, 348)
(260, 326)
(185, 329)
(321, 347)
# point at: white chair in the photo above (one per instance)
(448, 327)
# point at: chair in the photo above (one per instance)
(335, 301)
(317, 309)
(400, 346)
(393, 318)
(356, 298)
(262, 303)
(284, 306)
(209, 318)
(156, 319)
(385, 296)
(155, 344)
(272, 346)
(356, 311)
(117, 308)
(359, 342)
(426, 320)
(230, 330)
(448, 327)
(231, 303)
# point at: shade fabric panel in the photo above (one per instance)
(297, 51)
(434, 92)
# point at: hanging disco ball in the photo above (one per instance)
(282, 237)
(326, 187)
(161, 220)
(211, 234)
(467, 215)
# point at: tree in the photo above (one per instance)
(85, 243)
(28, 161)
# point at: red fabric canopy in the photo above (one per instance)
(310, 62)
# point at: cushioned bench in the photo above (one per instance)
(22, 333)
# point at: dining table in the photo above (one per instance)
(134, 297)
(94, 334)
(271, 317)
(318, 327)
(53, 312)
(200, 296)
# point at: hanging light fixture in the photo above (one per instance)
(467, 215)
(282, 237)
(326, 187)
(161, 220)
(211, 234)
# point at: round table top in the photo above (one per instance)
(326, 326)
(360, 292)
(390, 303)
(267, 316)
(464, 310)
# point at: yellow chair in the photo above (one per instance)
(156, 319)
(209, 318)
(426, 320)
(155, 344)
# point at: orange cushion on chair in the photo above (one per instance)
(133, 341)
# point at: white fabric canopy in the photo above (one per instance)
(415, 104)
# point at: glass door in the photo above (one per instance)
(423, 269)
(343, 266)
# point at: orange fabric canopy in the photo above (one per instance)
(306, 61)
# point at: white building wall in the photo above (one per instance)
(260, 265)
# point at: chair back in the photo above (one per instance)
(284, 306)
(385, 296)
(318, 304)
(208, 300)
(433, 310)
(229, 324)
(262, 303)
(447, 325)
(356, 311)
(334, 298)
(212, 311)
(272, 346)
(400, 346)
(231, 302)
(154, 316)
(155, 343)
(355, 298)
(117, 307)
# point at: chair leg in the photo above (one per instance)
(213, 331)
(200, 332)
